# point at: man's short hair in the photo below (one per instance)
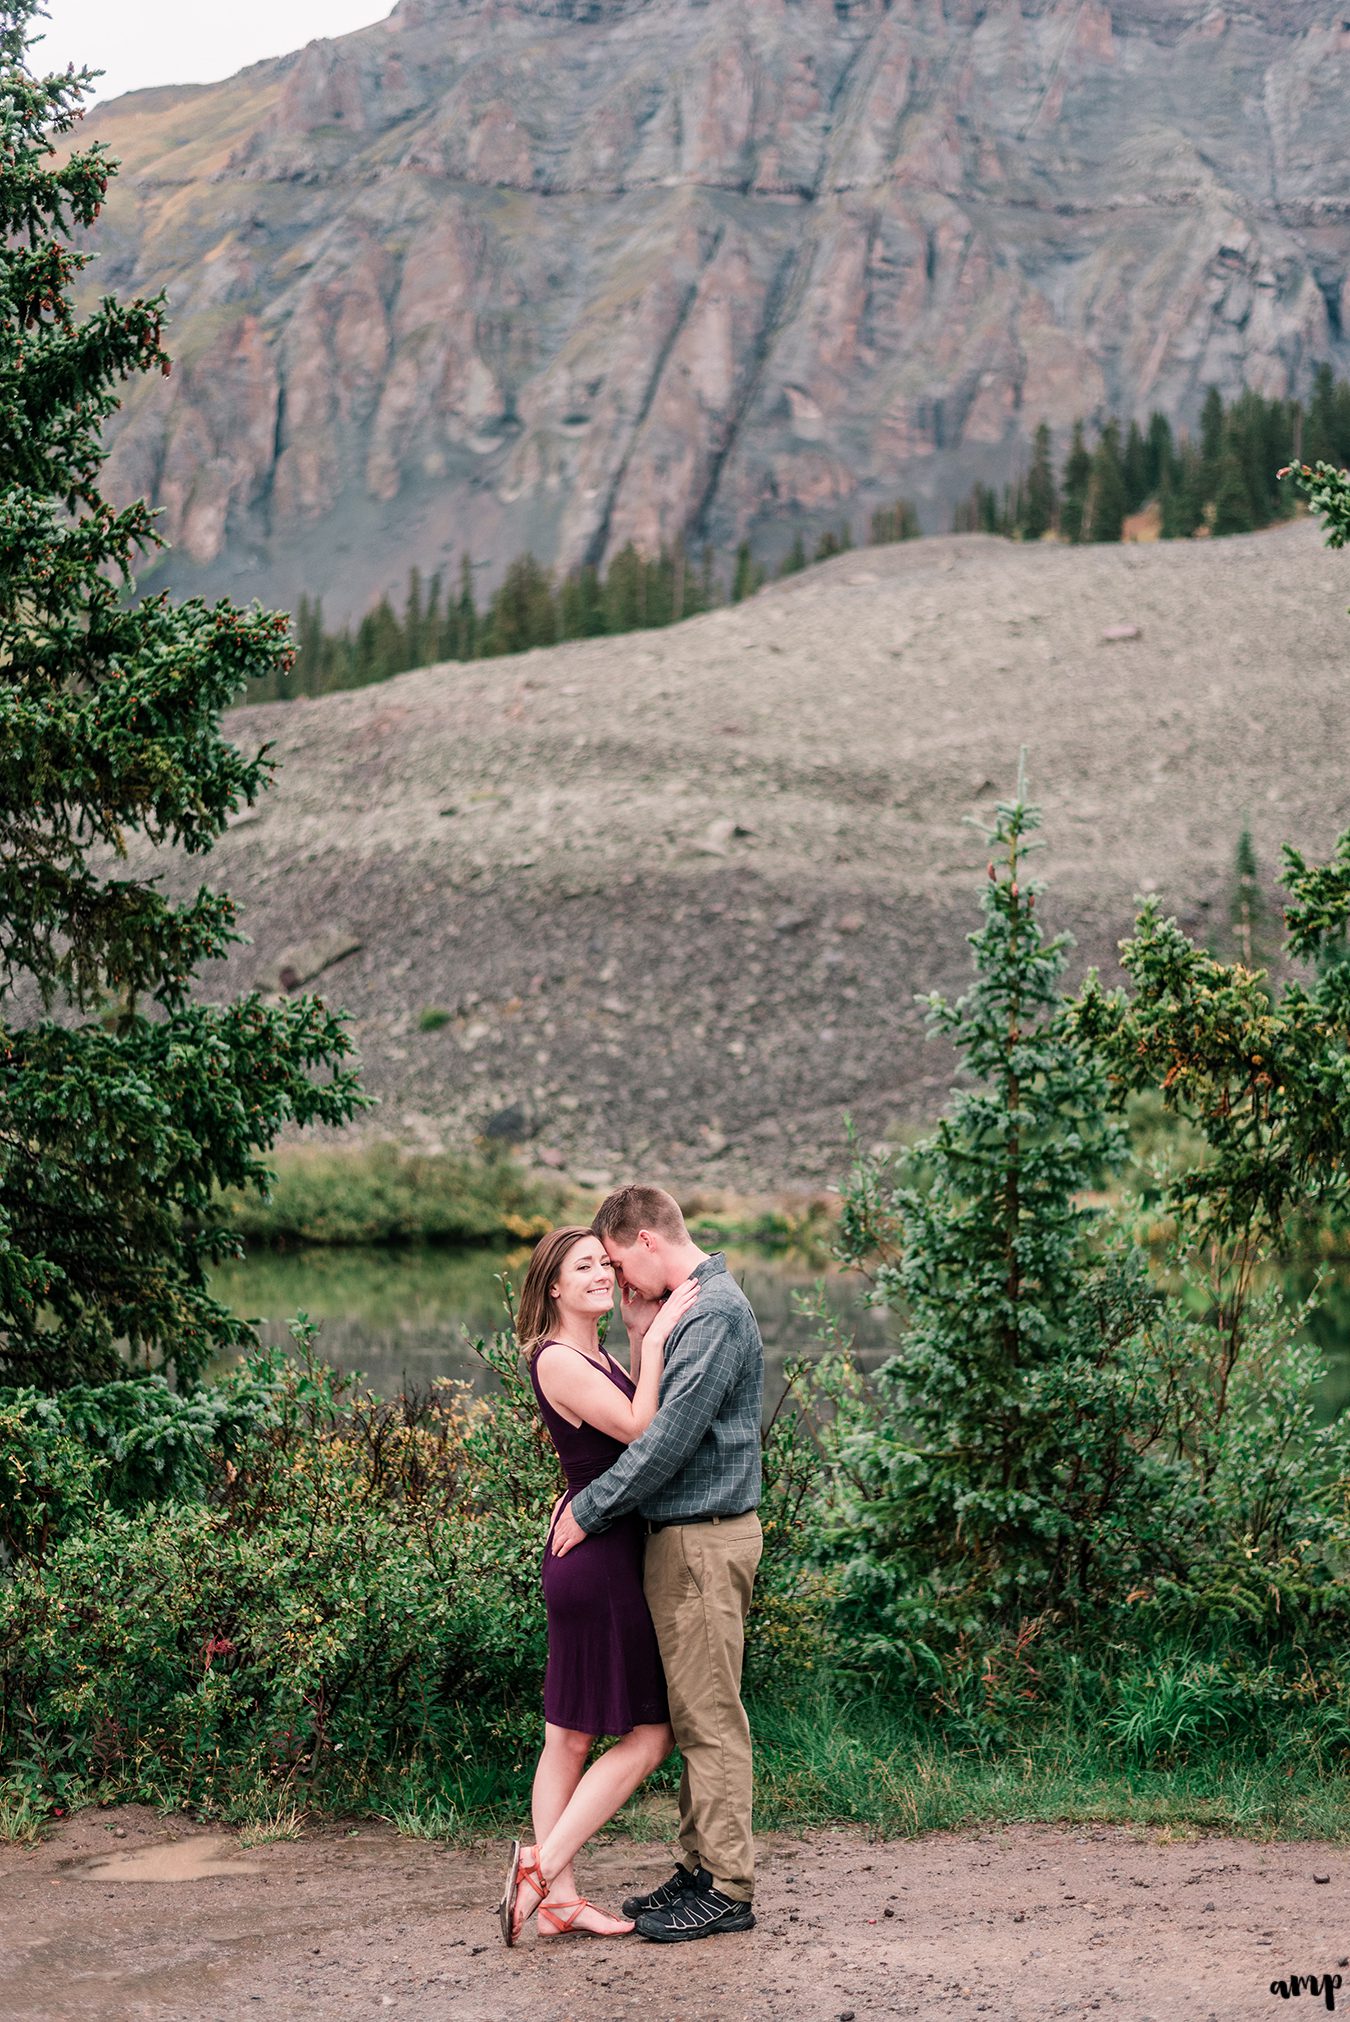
(628, 1209)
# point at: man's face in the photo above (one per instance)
(636, 1265)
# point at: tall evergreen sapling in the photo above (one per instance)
(121, 1114)
(1232, 500)
(1042, 503)
(1106, 505)
(1246, 907)
(1074, 495)
(967, 1499)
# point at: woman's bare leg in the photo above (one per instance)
(595, 1797)
(562, 1763)
(608, 1783)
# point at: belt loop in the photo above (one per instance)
(717, 1519)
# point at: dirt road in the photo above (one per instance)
(116, 1919)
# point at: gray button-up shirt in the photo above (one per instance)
(700, 1454)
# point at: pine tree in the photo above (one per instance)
(310, 647)
(377, 650)
(1160, 455)
(660, 597)
(429, 646)
(410, 645)
(1134, 469)
(1246, 908)
(1211, 433)
(683, 589)
(748, 577)
(1341, 425)
(625, 587)
(959, 1505)
(1041, 504)
(1077, 478)
(898, 522)
(1256, 439)
(1320, 432)
(1105, 518)
(524, 610)
(1232, 501)
(122, 1115)
(709, 592)
(582, 604)
(1189, 498)
(466, 615)
(794, 561)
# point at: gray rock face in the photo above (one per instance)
(558, 274)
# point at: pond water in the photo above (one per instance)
(406, 1318)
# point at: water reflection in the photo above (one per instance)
(402, 1316)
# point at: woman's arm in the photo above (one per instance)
(586, 1395)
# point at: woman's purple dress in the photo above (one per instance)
(604, 1669)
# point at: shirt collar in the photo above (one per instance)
(710, 1266)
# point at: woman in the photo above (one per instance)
(604, 1670)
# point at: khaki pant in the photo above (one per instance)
(699, 1578)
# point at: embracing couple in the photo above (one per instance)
(649, 1564)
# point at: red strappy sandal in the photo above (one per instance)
(566, 1926)
(524, 1869)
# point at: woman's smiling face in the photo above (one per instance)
(584, 1285)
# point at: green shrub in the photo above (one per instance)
(286, 1590)
(352, 1590)
(125, 1443)
(49, 1481)
(382, 1194)
(432, 1019)
(1182, 1708)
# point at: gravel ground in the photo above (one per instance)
(677, 891)
(115, 1920)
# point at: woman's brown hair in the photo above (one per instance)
(537, 1313)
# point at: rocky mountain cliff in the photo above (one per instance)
(558, 274)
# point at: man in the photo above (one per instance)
(695, 1476)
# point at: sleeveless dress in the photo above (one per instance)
(604, 1669)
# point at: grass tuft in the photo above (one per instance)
(280, 1821)
(830, 1760)
(427, 1816)
(21, 1820)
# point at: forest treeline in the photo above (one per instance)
(531, 607)
(1221, 481)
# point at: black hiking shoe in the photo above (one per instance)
(667, 1894)
(699, 1913)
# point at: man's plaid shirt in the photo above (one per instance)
(700, 1454)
